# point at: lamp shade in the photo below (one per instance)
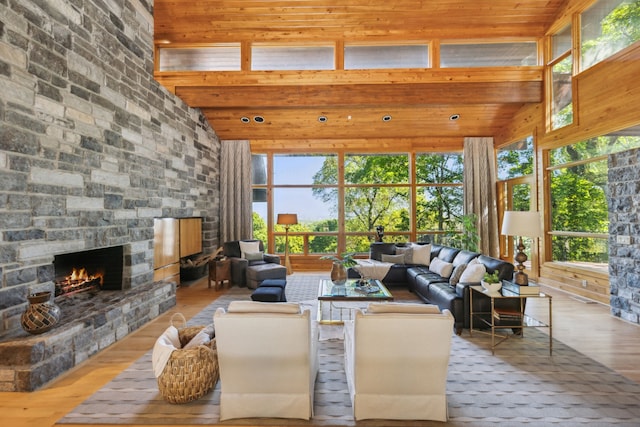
(287, 219)
(521, 223)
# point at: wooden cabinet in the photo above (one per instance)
(174, 239)
(166, 249)
(190, 236)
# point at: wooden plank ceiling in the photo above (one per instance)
(419, 102)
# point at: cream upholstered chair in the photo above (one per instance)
(268, 360)
(396, 361)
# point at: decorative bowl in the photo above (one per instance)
(491, 287)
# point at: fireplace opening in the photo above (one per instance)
(92, 270)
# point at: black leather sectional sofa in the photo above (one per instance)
(435, 289)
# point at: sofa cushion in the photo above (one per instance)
(504, 269)
(442, 294)
(456, 274)
(254, 256)
(464, 257)
(394, 259)
(442, 268)
(421, 254)
(473, 273)
(249, 247)
(448, 254)
(407, 251)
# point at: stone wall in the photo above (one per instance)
(92, 148)
(624, 221)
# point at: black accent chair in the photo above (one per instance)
(239, 265)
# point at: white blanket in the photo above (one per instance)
(162, 349)
(372, 269)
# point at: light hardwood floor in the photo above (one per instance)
(589, 328)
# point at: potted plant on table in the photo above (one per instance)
(339, 267)
(491, 283)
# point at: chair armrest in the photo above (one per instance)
(271, 258)
(239, 270)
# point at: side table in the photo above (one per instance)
(219, 271)
(518, 320)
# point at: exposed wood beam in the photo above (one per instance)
(359, 95)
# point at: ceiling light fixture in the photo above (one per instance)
(258, 119)
(454, 117)
(322, 119)
(245, 119)
(386, 118)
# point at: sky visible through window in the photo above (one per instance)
(296, 170)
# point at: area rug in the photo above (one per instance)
(519, 385)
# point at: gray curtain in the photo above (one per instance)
(235, 191)
(480, 191)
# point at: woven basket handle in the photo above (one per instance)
(181, 318)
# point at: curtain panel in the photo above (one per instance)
(235, 191)
(480, 191)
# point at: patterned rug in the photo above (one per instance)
(520, 385)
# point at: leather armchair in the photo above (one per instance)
(239, 264)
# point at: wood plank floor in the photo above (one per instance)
(587, 327)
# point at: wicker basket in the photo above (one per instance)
(192, 373)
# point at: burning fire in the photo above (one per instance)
(78, 281)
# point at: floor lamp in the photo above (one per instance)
(519, 224)
(287, 219)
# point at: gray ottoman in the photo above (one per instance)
(259, 272)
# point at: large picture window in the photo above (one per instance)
(341, 199)
(579, 211)
(439, 193)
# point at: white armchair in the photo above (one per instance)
(268, 360)
(396, 361)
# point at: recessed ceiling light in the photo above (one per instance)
(245, 119)
(386, 118)
(322, 119)
(258, 119)
(454, 117)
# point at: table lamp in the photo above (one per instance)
(287, 219)
(519, 224)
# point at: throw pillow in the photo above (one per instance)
(443, 268)
(254, 256)
(456, 274)
(393, 259)
(252, 247)
(407, 251)
(473, 273)
(421, 254)
(397, 307)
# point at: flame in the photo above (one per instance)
(79, 275)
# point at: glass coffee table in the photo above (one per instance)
(347, 296)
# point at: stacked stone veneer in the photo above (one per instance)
(92, 148)
(624, 220)
(31, 361)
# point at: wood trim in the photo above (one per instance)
(344, 77)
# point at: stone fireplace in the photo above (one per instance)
(92, 149)
(94, 270)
